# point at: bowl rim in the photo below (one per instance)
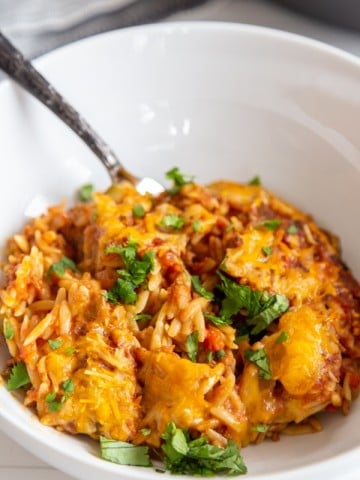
(11, 425)
(170, 27)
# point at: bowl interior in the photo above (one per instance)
(219, 101)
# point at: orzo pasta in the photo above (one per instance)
(220, 311)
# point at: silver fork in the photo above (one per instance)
(21, 70)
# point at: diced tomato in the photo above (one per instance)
(331, 408)
(214, 340)
(354, 380)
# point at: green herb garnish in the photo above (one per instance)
(219, 354)
(270, 224)
(8, 330)
(53, 404)
(218, 321)
(68, 385)
(283, 337)
(145, 431)
(142, 317)
(19, 377)
(69, 351)
(198, 457)
(85, 192)
(196, 226)
(132, 276)
(124, 453)
(196, 285)
(292, 229)
(260, 427)
(267, 250)
(192, 344)
(260, 359)
(255, 181)
(122, 290)
(138, 210)
(55, 344)
(271, 307)
(260, 308)
(50, 397)
(61, 266)
(210, 356)
(172, 221)
(179, 180)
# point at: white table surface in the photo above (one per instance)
(15, 462)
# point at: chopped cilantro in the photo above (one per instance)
(85, 192)
(122, 290)
(196, 285)
(132, 276)
(55, 344)
(260, 359)
(292, 229)
(127, 253)
(223, 265)
(270, 224)
(192, 344)
(210, 356)
(261, 308)
(8, 330)
(196, 226)
(236, 297)
(18, 377)
(61, 266)
(138, 210)
(255, 181)
(145, 431)
(124, 453)
(50, 397)
(219, 354)
(283, 337)
(219, 321)
(260, 427)
(198, 457)
(53, 404)
(142, 317)
(272, 307)
(172, 221)
(179, 180)
(69, 351)
(267, 250)
(68, 385)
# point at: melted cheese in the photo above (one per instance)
(310, 353)
(165, 378)
(127, 375)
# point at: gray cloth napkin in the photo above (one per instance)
(37, 26)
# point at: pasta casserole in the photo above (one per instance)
(199, 320)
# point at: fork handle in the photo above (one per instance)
(19, 69)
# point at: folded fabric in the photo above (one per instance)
(35, 16)
(37, 26)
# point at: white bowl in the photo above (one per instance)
(220, 101)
